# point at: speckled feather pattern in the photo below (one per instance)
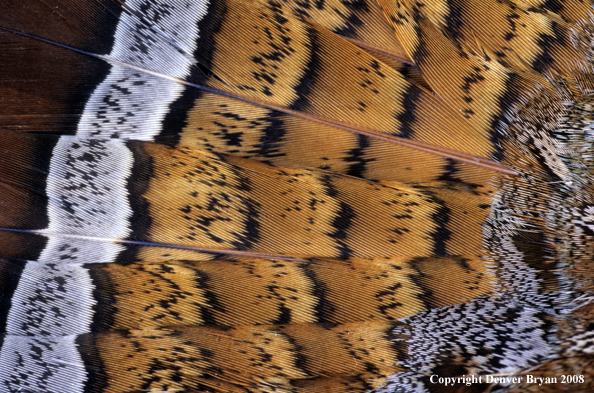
(296, 196)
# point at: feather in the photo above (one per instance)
(295, 196)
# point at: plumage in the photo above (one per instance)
(295, 196)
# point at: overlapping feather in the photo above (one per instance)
(253, 197)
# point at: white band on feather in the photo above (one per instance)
(41, 364)
(51, 299)
(88, 196)
(130, 103)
